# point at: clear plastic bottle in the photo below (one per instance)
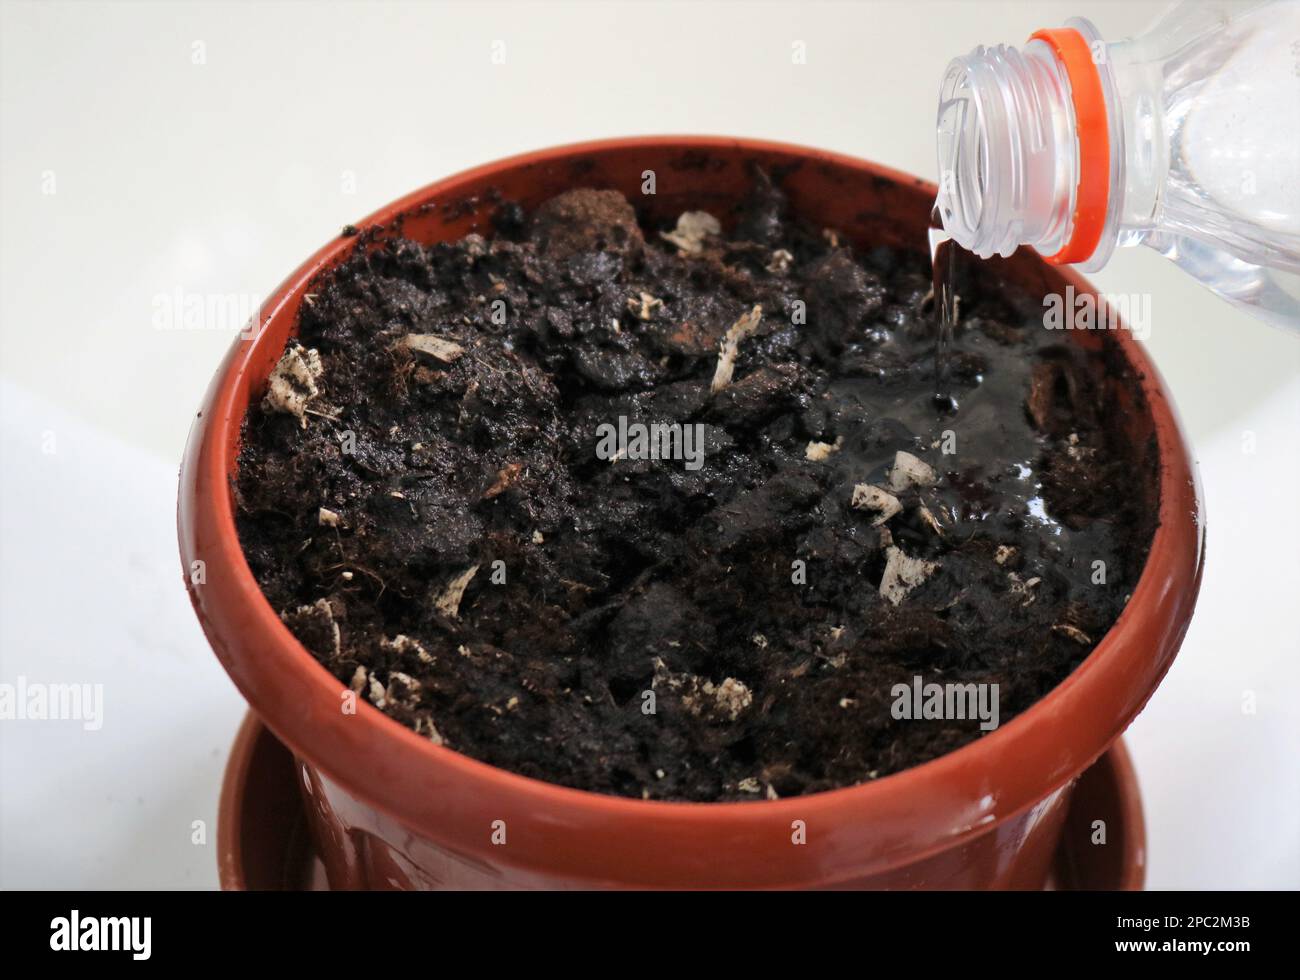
(1185, 139)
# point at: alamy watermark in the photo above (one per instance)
(104, 933)
(654, 440)
(184, 310)
(36, 701)
(946, 702)
(1086, 310)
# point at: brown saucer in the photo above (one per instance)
(263, 844)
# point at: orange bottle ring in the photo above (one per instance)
(1093, 191)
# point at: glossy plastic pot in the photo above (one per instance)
(388, 809)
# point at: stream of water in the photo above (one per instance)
(943, 262)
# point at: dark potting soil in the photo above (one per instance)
(427, 495)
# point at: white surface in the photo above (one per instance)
(113, 805)
(218, 178)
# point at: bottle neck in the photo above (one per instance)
(1031, 148)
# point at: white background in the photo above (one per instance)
(221, 176)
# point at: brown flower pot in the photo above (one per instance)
(387, 808)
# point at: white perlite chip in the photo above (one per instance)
(692, 228)
(903, 574)
(701, 697)
(1022, 588)
(780, 262)
(327, 518)
(292, 385)
(733, 696)
(737, 332)
(727, 699)
(819, 452)
(909, 471)
(439, 348)
(930, 520)
(425, 726)
(320, 614)
(403, 688)
(448, 601)
(869, 497)
(359, 677)
(402, 643)
(643, 305)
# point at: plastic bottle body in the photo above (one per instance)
(1201, 144)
